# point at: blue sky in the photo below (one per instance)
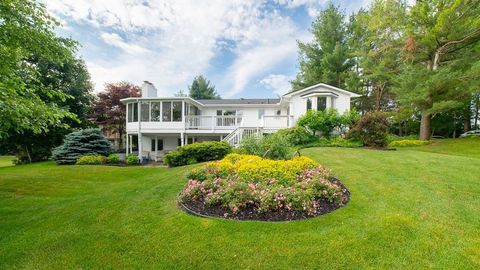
(247, 48)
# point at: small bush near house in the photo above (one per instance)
(406, 143)
(296, 135)
(132, 160)
(91, 160)
(295, 188)
(273, 146)
(86, 142)
(322, 121)
(113, 159)
(372, 130)
(197, 152)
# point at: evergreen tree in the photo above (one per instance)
(326, 59)
(201, 88)
(86, 142)
(442, 56)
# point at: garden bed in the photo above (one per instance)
(248, 187)
(199, 208)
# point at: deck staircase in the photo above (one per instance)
(236, 136)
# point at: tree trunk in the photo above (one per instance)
(425, 127)
(477, 109)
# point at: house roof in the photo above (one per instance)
(240, 101)
(351, 94)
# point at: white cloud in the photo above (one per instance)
(279, 83)
(115, 40)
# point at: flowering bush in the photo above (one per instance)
(405, 143)
(245, 181)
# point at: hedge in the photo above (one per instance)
(197, 152)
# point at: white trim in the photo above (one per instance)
(351, 94)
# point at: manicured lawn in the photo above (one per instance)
(413, 208)
(6, 161)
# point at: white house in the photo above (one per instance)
(161, 124)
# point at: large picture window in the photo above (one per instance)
(145, 113)
(130, 112)
(155, 112)
(321, 103)
(135, 112)
(159, 146)
(177, 111)
(166, 111)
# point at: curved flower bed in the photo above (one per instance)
(249, 187)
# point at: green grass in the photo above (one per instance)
(414, 208)
(6, 161)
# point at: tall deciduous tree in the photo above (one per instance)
(202, 88)
(442, 57)
(72, 79)
(26, 35)
(326, 59)
(109, 112)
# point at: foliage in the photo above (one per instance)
(201, 88)
(334, 142)
(273, 146)
(197, 152)
(241, 181)
(372, 130)
(86, 142)
(326, 59)
(108, 112)
(405, 143)
(113, 159)
(132, 160)
(27, 102)
(71, 78)
(91, 160)
(321, 121)
(296, 135)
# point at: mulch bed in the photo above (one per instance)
(198, 208)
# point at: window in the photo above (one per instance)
(135, 112)
(130, 112)
(261, 113)
(159, 146)
(321, 103)
(155, 112)
(177, 111)
(145, 113)
(309, 104)
(166, 111)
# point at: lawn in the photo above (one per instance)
(412, 208)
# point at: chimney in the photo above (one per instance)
(148, 90)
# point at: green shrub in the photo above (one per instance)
(86, 142)
(406, 143)
(296, 135)
(132, 159)
(113, 159)
(273, 146)
(91, 160)
(322, 121)
(372, 130)
(197, 152)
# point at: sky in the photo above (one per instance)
(246, 48)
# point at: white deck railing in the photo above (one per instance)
(277, 121)
(212, 122)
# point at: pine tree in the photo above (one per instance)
(201, 88)
(85, 142)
